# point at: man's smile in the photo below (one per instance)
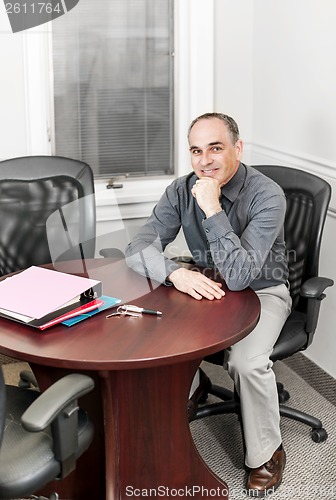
(209, 171)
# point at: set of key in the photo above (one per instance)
(124, 311)
(133, 311)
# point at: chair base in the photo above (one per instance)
(318, 433)
(230, 404)
(53, 496)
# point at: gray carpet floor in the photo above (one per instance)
(310, 471)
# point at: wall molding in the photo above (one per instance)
(265, 154)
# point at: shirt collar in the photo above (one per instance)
(233, 187)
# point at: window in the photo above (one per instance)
(113, 86)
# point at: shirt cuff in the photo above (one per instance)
(217, 226)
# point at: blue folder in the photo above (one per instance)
(108, 302)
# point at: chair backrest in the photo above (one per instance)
(307, 199)
(37, 194)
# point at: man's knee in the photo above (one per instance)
(245, 367)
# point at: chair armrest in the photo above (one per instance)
(58, 407)
(114, 253)
(313, 288)
(54, 400)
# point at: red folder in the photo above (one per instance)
(90, 306)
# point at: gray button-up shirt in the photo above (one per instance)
(244, 242)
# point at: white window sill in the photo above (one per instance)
(135, 199)
(133, 191)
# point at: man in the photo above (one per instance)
(232, 218)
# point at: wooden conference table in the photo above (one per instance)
(143, 368)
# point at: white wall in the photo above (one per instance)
(294, 73)
(12, 96)
(275, 72)
(234, 62)
(294, 116)
(24, 87)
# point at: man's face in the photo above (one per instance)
(212, 151)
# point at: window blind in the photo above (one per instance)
(113, 86)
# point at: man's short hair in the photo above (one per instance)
(229, 122)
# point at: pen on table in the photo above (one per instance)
(142, 310)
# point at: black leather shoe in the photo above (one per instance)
(200, 395)
(264, 480)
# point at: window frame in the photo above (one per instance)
(193, 62)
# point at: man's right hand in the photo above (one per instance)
(196, 284)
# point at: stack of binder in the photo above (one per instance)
(41, 297)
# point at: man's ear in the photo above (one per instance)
(239, 149)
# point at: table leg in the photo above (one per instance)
(148, 444)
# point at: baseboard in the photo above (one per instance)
(315, 376)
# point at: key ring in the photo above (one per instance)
(122, 311)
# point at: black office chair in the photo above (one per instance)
(307, 198)
(47, 214)
(47, 211)
(42, 435)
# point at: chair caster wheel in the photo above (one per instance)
(319, 435)
(283, 396)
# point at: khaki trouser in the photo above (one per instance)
(250, 367)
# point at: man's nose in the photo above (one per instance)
(205, 159)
